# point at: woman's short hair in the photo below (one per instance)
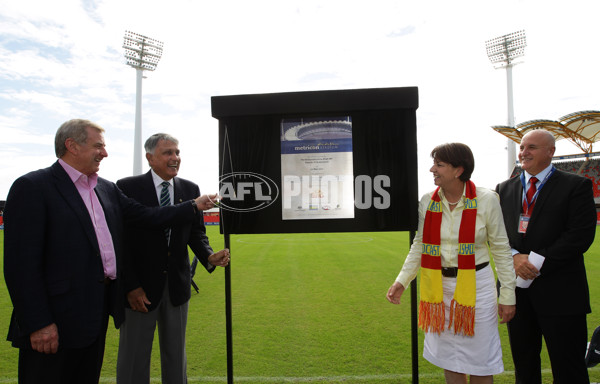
(74, 129)
(457, 155)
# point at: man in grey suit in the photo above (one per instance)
(555, 218)
(157, 274)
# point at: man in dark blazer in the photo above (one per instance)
(63, 244)
(559, 223)
(157, 276)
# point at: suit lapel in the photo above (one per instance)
(104, 197)
(542, 197)
(178, 191)
(67, 189)
(149, 191)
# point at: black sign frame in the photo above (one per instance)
(384, 143)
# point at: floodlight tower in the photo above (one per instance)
(143, 54)
(503, 50)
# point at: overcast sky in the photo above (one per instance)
(63, 59)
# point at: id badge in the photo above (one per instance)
(523, 222)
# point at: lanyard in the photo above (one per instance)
(538, 190)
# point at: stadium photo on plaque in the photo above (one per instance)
(316, 168)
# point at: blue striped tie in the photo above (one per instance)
(165, 199)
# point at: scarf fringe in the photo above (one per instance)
(431, 317)
(463, 317)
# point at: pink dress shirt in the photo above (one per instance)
(85, 186)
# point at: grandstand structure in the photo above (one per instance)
(582, 129)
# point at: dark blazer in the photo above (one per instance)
(562, 227)
(149, 259)
(52, 263)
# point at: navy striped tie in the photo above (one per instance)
(165, 199)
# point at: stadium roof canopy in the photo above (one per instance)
(581, 128)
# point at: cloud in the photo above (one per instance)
(404, 31)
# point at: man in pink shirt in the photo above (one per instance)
(63, 243)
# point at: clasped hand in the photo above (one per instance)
(523, 268)
(220, 259)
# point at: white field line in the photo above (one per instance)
(288, 379)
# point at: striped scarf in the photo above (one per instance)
(462, 308)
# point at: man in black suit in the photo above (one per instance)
(557, 220)
(63, 242)
(157, 275)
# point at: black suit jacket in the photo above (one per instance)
(52, 263)
(562, 227)
(149, 259)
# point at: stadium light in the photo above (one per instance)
(143, 54)
(503, 50)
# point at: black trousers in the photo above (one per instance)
(566, 341)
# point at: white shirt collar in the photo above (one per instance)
(158, 180)
(540, 176)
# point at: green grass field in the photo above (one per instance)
(306, 308)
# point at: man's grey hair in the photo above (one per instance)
(75, 129)
(153, 140)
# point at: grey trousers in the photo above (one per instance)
(135, 344)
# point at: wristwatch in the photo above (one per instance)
(195, 206)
